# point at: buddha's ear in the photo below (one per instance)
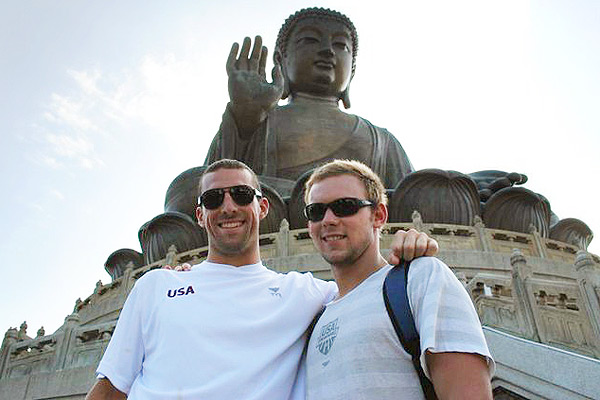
(345, 97)
(278, 59)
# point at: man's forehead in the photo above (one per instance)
(337, 186)
(226, 177)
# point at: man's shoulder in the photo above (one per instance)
(158, 276)
(430, 272)
(427, 265)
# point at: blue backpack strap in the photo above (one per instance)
(311, 328)
(395, 296)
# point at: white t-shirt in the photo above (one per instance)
(354, 352)
(215, 332)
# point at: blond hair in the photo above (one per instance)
(371, 181)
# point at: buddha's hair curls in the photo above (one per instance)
(316, 12)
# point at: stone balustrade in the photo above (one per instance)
(528, 286)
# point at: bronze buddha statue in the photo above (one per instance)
(315, 59)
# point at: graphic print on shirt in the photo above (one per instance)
(182, 291)
(327, 336)
(275, 291)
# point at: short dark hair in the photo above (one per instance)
(318, 12)
(227, 163)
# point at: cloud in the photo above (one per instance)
(70, 113)
(51, 162)
(58, 194)
(162, 95)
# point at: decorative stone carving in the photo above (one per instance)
(118, 262)
(572, 231)
(491, 181)
(171, 228)
(98, 288)
(446, 197)
(22, 335)
(11, 334)
(41, 332)
(417, 220)
(515, 209)
(78, 305)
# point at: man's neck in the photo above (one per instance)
(348, 276)
(234, 261)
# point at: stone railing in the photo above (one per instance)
(522, 284)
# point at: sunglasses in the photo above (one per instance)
(242, 195)
(345, 207)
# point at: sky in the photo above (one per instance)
(104, 103)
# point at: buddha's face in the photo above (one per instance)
(319, 57)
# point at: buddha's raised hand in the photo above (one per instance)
(252, 97)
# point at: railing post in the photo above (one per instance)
(64, 343)
(480, 229)
(521, 275)
(537, 240)
(588, 278)
(283, 239)
(10, 337)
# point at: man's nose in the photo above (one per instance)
(330, 218)
(228, 203)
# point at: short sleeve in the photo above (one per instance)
(443, 311)
(122, 360)
(328, 289)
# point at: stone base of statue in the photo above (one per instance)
(536, 297)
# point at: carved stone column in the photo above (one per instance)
(10, 337)
(128, 281)
(538, 241)
(64, 343)
(480, 228)
(283, 239)
(521, 275)
(588, 278)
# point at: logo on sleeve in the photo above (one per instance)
(182, 291)
(327, 336)
(274, 291)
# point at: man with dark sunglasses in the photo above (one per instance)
(354, 351)
(230, 328)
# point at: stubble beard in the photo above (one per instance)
(348, 259)
(233, 248)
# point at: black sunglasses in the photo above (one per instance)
(241, 194)
(345, 207)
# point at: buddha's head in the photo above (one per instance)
(316, 48)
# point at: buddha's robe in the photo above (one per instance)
(374, 146)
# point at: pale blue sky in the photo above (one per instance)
(104, 103)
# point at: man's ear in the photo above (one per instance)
(380, 215)
(199, 215)
(263, 204)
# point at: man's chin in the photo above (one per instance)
(339, 260)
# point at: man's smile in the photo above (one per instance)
(333, 238)
(229, 224)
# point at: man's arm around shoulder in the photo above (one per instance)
(459, 376)
(103, 389)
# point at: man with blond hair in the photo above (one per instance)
(354, 352)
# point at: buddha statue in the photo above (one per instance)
(315, 60)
